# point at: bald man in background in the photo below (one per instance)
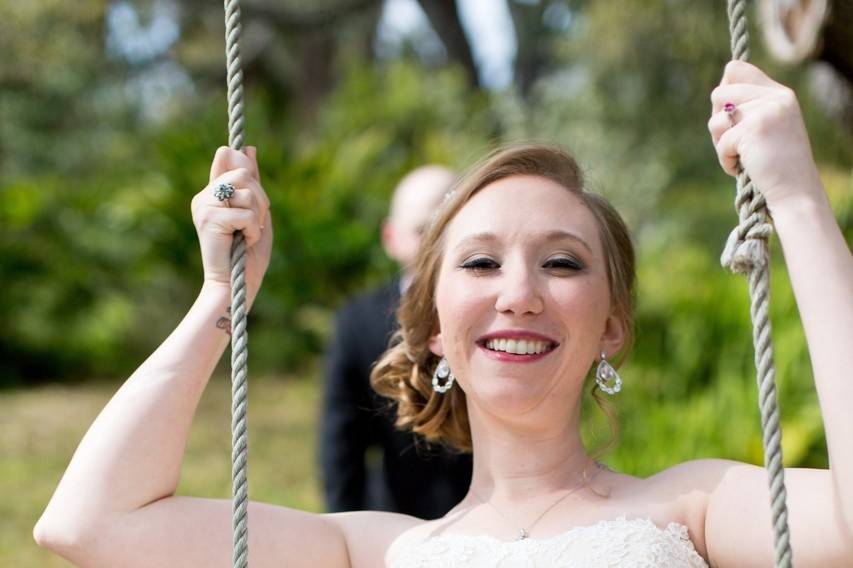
(366, 462)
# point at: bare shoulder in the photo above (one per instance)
(702, 475)
(727, 509)
(693, 482)
(376, 538)
(372, 537)
(681, 493)
(683, 482)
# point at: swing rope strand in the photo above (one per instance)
(747, 252)
(239, 335)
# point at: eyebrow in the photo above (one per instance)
(547, 237)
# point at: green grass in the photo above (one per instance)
(40, 429)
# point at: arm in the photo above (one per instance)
(344, 428)
(115, 504)
(821, 270)
(820, 502)
(771, 143)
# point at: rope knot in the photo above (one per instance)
(746, 247)
(745, 253)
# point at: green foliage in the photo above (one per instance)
(56, 78)
(99, 258)
(104, 263)
(691, 379)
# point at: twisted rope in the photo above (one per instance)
(239, 336)
(746, 252)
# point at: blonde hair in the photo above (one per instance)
(404, 373)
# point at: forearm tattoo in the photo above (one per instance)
(225, 321)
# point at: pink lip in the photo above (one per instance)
(515, 334)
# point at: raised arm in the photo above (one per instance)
(115, 504)
(768, 138)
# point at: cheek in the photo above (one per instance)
(582, 303)
(460, 306)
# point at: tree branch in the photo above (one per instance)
(444, 18)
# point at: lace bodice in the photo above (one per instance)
(618, 543)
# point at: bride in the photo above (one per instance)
(525, 284)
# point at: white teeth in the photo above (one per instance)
(519, 347)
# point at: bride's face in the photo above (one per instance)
(523, 271)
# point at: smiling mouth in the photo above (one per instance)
(519, 346)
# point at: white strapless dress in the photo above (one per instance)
(618, 543)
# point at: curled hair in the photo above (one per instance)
(404, 373)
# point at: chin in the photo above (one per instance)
(510, 396)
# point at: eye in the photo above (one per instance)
(561, 263)
(482, 264)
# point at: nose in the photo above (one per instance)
(519, 293)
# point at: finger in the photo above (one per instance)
(229, 220)
(251, 227)
(243, 178)
(252, 152)
(263, 202)
(737, 94)
(243, 198)
(240, 177)
(727, 149)
(252, 232)
(260, 200)
(743, 72)
(261, 195)
(721, 121)
(717, 124)
(220, 163)
(227, 159)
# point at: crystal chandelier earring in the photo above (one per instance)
(606, 377)
(442, 373)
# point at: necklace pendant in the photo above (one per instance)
(523, 534)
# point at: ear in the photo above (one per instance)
(613, 336)
(388, 238)
(435, 345)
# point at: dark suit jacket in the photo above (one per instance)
(355, 419)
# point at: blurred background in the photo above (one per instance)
(110, 112)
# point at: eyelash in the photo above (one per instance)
(484, 264)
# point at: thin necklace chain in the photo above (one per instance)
(524, 532)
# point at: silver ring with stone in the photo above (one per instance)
(224, 192)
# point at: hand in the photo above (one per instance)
(215, 221)
(768, 136)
